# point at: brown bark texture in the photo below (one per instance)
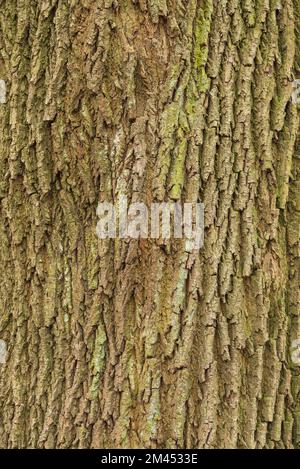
(143, 344)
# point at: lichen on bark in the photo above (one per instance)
(122, 344)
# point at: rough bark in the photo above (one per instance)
(141, 344)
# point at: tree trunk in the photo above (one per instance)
(129, 343)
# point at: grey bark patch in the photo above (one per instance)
(3, 352)
(296, 92)
(2, 92)
(295, 352)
